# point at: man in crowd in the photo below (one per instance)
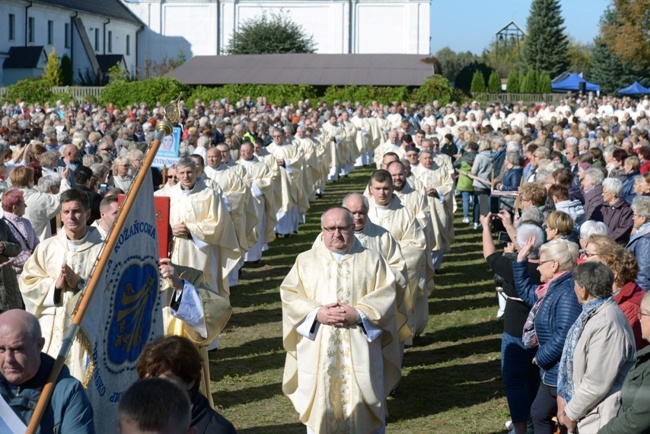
(339, 300)
(108, 209)
(24, 370)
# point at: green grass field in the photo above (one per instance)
(451, 380)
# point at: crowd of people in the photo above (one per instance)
(568, 186)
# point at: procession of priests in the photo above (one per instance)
(351, 303)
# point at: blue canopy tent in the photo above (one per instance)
(634, 89)
(572, 83)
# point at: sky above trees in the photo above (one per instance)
(470, 25)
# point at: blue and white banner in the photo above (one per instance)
(125, 312)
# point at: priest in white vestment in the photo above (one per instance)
(55, 274)
(439, 186)
(289, 161)
(259, 180)
(204, 234)
(387, 211)
(339, 331)
(333, 135)
(391, 145)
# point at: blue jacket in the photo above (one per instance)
(69, 411)
(628, 192)
(512, 179)
(640, 245)
(554, 318)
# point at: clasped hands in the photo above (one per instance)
(180, 230)
(562, 418)
(168, 272)
(337, 315)
(68, 280)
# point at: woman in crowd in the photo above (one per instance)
(482, 168)
(592, 191)
(533, 194)
(640, 241)
(13, 205)
(631, 168)
(598, 351)
(642, 184)
(617, 214)
(555, 309)
(626, 292)
(121, 177)
(520, 375)
(558, 225)
(589, 228)
(465, 185)
(633, 416)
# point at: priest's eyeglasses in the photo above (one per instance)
(336, 228)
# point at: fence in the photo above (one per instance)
(526, 98)
(79, 93)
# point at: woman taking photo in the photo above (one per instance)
(520, 375)
(598, 352)
(554, 310)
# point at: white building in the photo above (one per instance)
(204, 27)
(94, 34)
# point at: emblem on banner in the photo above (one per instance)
(132, 311)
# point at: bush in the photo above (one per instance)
(278, 94)
(366, 94)
(123, 93)
(32, 90)
(513, 82)
(435, 87)
(478, 82)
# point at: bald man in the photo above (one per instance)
(24, 370)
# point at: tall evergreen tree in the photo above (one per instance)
(513, 82)
(478, 82)
(546, 46)
(494, 82)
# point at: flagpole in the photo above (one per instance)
(86, 295)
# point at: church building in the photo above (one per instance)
(204, 27)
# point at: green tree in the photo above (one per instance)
(513, 82)
(504, 55)
(494, 82)
(543, 84)
(627, 31)
(529, 82)
(478, 82)
(607, 69)
(118, 72)
(546, 44)
(452, 63)
(272, 34)
(435, 87)
(67, 72)
(52, 73)
(579, 57)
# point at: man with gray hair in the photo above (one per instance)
(204, 233)
(24, 371)
(342, 345)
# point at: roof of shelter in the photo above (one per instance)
(106, 8)
(310, 69)
(107, 61)
(24, 57)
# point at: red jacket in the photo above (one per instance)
(629, 300)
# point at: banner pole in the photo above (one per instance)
(86, 295)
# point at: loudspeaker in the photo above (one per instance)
(582, 87)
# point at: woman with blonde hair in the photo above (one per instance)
(558, 225)
(554, 310)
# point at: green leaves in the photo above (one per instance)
(272, 34)
(547, 45)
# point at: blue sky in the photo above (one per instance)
(470, 25)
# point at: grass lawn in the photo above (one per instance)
(451, 380)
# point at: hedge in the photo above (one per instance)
(124, 93)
